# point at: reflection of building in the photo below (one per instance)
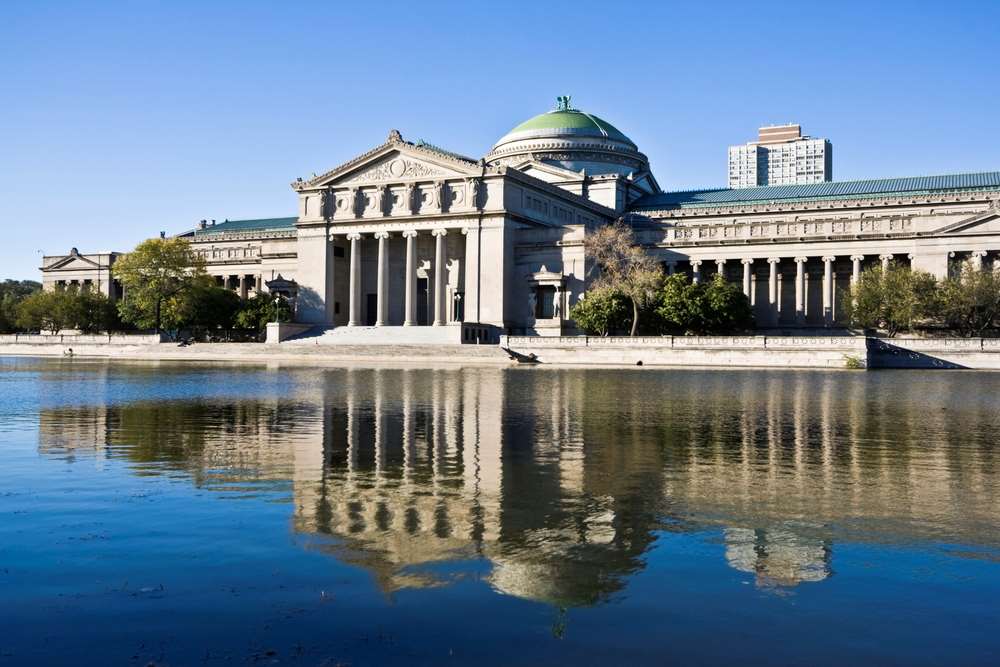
(560, 479)
(410, 235)
(777, 557)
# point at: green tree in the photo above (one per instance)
(893, 299)
(260, 309)
(12, 293)
(48, 310)
(91, 311)
(970, 303)
(715, 307)
(601, 311)
(624, 267)
(157, 278)
(727, 308)
(211, 307)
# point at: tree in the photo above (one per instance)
(727, 308)
(49, 310)
(54, 310)
(12, 293)
(157, 277)
(716, 307)
(602, 310)
(893, 299)
(970, 302)
(211, 307)
(91, 311)
(624, 267)
(260, 309)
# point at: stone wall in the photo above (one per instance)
(724, 351)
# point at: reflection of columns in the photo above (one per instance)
(382, 300)
(695, 271)
(977, 260)
(355, 286)
(439, 259)
(828, 290)
(885, 261)
(772, 287)
(410, 317)
(856, 268)
(800, 289)
(746, 275)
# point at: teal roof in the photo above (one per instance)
(832, 190)
(256, 225)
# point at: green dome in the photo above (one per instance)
(571, 139)
(575, 122)
(566, 122)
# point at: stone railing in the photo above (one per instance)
(687, 342)
(80, 339)
(940, 344)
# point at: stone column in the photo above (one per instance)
(440, 314)
(355, 285)
(800, 289)
(885, 261)
(382, 288)
(671, 268)
(695, 271)
(746, 275)
(856, 268)
(828, 290)
(772, 287)
(410, 316)
(720, 267)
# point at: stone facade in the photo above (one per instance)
(409, 234)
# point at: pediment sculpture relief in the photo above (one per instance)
(396, 168)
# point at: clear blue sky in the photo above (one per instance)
(120, 120)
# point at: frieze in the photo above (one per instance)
(395, 169)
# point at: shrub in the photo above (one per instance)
(970, 302)
(260, 309)
(893, 299)
(716, 307)
(601, 311)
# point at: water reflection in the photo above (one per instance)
(562, 481)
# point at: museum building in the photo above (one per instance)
(409, 241)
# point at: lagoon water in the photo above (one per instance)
(215, 515)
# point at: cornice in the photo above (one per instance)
(965, 196)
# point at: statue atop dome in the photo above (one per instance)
(562, 103)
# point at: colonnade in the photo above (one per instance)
(242, 284)
(382, 280)
(774, 280)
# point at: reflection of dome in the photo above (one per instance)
(571, 139)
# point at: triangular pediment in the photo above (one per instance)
(987, 222)
(71, 263)
(547, 172)
(395, 161)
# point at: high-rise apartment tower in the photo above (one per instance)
(780, 156)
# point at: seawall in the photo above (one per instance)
(832, 352)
